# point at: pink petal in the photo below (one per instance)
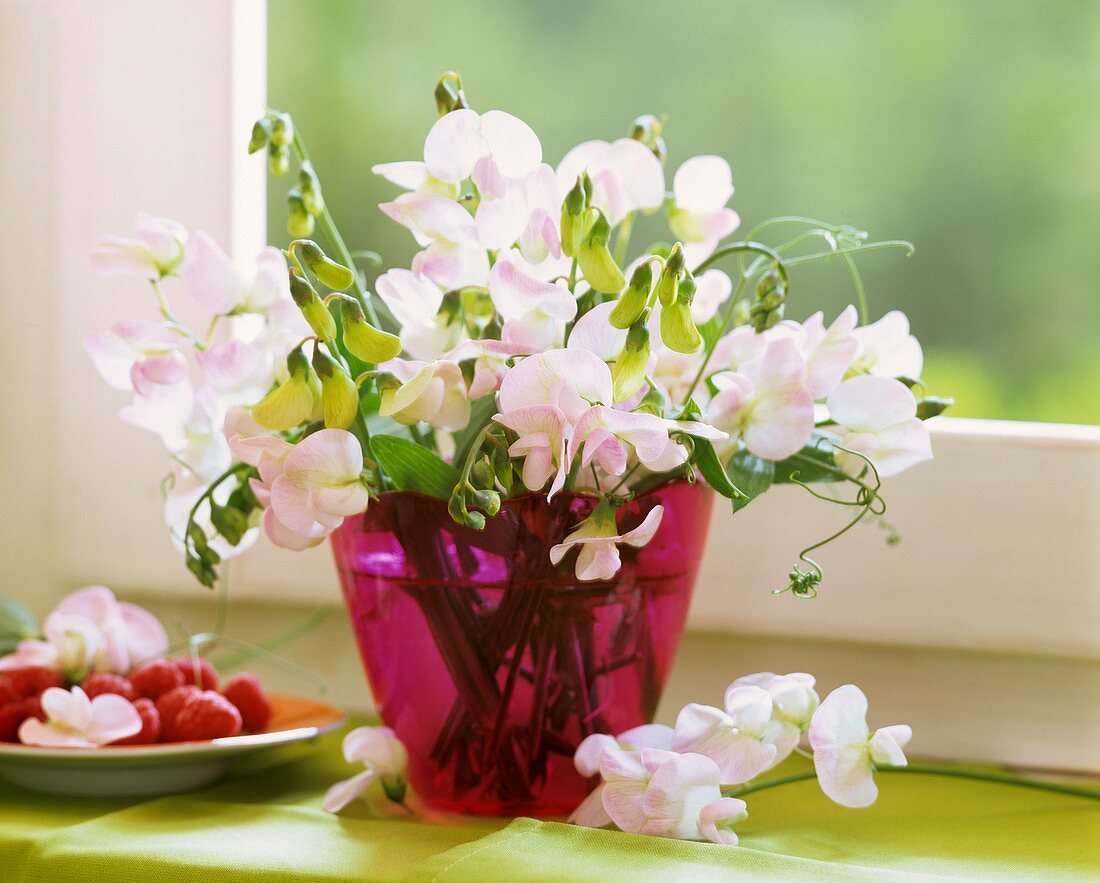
(145, 636)
(545, 378)
(647, 736)
(703, 184)
(454, 145)
(285, 538)
(726, 809)
(343, 793)
(330, 456)
(871, 404)
(34, 732)
(514, 146)
(411, 299)
(595, 333)
(410, 175)
(113, 718)
(587, 756)
(210, 276)
(591, 812)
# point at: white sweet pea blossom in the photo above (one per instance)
(452, 256)
(794, 699)
(493, 148)
(429, 392)
(886, 348)
(663, 794)
(570, 379)
(591, 749)
(742, 740)
(766, 403)
(626, 176)
(137, 354)
(699, 217)
(155, 250)
(74, 721)
(878, 416)
(384, 759)
(490, 363)
(712, 289)
(598, 539)
(543, 432)
(415, 302)
(846, 751)
(828, 352)
(90, 630)
(534, 312)
(526, 214)
(415, 176)
(215, 283)
(321, 483)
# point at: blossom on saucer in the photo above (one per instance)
(75, 721)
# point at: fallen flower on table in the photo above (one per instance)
(382, 784)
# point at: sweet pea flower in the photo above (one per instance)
(712, 289)
(385, 760)
(415, 176)
(156, 250)
(526, 214)
(490, 363)
(793, 697)
(74, 721)
(886, 348)
(165, 410)
(878, 416)
(452, 256)
(846, 751)
(699, 217)
(321, 483)
(597, 538)
(429, 392)
(215, 283)
(828, 352)
(534, 312)
(591, 749)
(415, 302)
(70, 646)
(542, 431)
(626, 176)
(663, 794)
(234, 372)
(493, 148)
(742, 740)
(137, 354)
(766, 403)
(570, 379)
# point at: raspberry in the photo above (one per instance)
(101, 682)
(168, 707)
(33, 680)
(150, 725)
(14, 713)
(8, 693)
(206, 715)
(246, 693)
(155, 679)
(201, 673)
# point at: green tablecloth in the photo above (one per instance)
(269, 825)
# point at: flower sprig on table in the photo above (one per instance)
(524, 350)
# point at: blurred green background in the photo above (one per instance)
(970, 128)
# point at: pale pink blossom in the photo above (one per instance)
(415, 176)
(699, 217)
(598, 539)
(742, 739)
(591, 749)
(626, 176)
(534, 312)
(543, 432)
(415, 301)
(137, 354)
(525, 215)
(155, 250)
(452, 256)
(214, 282)
(766, 404)
(886, 348)
(321, 483)
(828, 352)
(74, 721)
(794, 699)
(429, 392)
(570, 379)
(234, 372)
(490, 358)
(493, 148)
(712, 289)
(846, 751)
(878, 418)
(384, 759)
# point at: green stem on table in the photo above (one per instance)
(930, 770)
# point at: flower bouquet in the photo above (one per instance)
(514, 443)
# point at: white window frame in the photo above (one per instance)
(146, 104)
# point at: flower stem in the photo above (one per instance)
(933, 770)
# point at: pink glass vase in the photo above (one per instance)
(490, 663)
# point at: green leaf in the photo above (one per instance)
(751, 474)
(413, 468)
(706, 458)
(814, 463)
(17, 623)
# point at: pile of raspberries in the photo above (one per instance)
(179, 700)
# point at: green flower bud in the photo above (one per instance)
(282, 130)
(647, 129)
(932, 406)
(572, 211)
(339, 395)
(668, 283)
(292, 403)
(678, 330)
(685, 292)
(278, 160)
(335, 276)
(362, 339)
(628, 372)
(633, 301)
(299, 222)
(261, 135)
(487, 501)
(312, 307)
(310, 186)
(481, 474)
(599, 267)
(448, 93)
(769, 301)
